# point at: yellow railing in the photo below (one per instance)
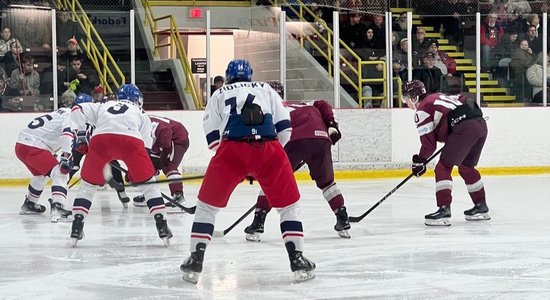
(200, 3)
(353, 62)
(175, 45)
(99, 56)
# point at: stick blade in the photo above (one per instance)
(355, 219)
(218, 234)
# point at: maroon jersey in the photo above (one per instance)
(310, 121)
(431, 120)
(166, 132)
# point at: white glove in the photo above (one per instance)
(332, 130)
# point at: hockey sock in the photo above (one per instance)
(59, 185)
(36, 187)
(333, 196)
(83, 200)
(472, 178)
(203, 225)
(291, 226)
(155, 203)
(174, 186)
(443, 183)
(262, 203)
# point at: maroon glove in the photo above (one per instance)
(418, 165)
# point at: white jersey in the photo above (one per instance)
(49, 132)
(222, 118)
(113, 117)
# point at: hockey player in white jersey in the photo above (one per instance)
(246, 124)
(122, 132)
(44, 146)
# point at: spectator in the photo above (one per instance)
(372, 71)
(12, 59)
(67, 98)
(401, 52)
(534, 76)
(428, 73)
(27, 82)
(73, 50)
(418, 41)
(522, 59)
(5, 41)
(218, 83)
(400, 24)
(514, 23)
(353, 34)
(443, 61)
(399, 70)
(379, 30)
(86, 77)
(490, 37)
(535, 43)
(369, 52)
(66, 28)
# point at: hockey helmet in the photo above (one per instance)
(278, 87)
(130, 92)
(413, 91)
(238, 70)
(83, 98)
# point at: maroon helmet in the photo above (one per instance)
(278, 87)
(414, 90)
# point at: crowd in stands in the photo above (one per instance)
(26, 70)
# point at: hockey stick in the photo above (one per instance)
(189, 210)
(218, 234)
(74, 183)
(361, 217)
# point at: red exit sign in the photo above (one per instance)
(195, 13)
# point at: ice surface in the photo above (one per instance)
(391, 255)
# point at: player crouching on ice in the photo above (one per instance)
(247, 125)
(122, 132)
(314, 131)
(36, 148)
(456, 121)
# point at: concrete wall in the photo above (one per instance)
(372, 139)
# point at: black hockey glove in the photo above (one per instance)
(334, 133)
(418, 165)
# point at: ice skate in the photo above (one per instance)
(58, 213)
(139, 201)
(171, 208)
(255, 230)
(162, 227)
(342, 223)
(440, 217)
(124, 199)
(77, 230)
(192, 266)
(480, 212)
(302, 267)
(31, 208)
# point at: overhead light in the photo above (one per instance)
(29, 6)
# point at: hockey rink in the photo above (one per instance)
(391, 255)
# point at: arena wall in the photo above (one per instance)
(373, 140)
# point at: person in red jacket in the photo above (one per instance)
(456, 121)
(171, 141)
(314, 131)
(489, 39)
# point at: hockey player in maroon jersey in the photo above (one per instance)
(247, 125)
(314, 131)
(456, 121)
(171, 141)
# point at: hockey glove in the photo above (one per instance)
(80, 143)
(334, 133)
(66, 165)
(156, 160)
(418, 165)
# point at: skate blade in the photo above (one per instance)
(140, 204)
(344, 234)
(190, 276)
(74, 241)
(56, 219)
(254, 237)
(440, 222)
(303, 275)
(478, 217)
(125, 205)
(25, 212)
(166, 241)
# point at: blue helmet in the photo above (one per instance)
(131, 93)
(238, 70)
(83, 98)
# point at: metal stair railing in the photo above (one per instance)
(175, 45)
(99, 56)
